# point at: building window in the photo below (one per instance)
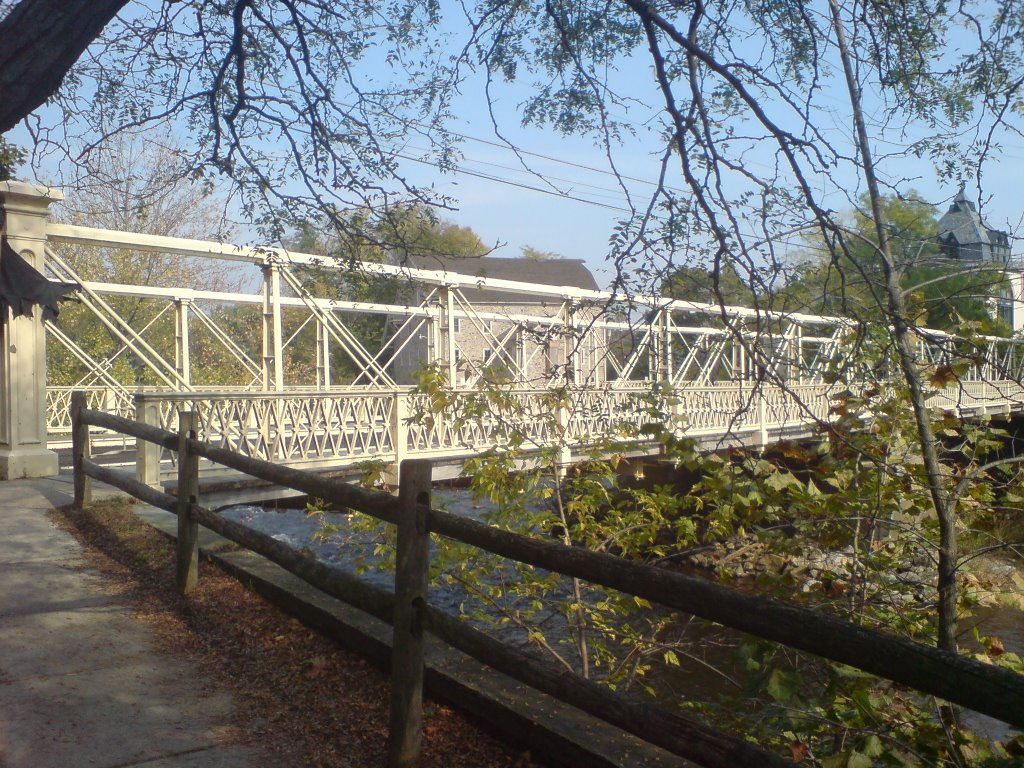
(456, 324)
(1006, 312)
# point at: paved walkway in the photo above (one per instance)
(80, 682)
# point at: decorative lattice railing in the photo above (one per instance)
(341, 429)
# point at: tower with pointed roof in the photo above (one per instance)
(964, 236)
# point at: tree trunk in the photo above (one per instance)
(897, 312)
(42, 41)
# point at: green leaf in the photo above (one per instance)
(779, 481)
(872, 746)
(834, 761)
(782, 686)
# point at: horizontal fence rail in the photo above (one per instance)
(990, 690)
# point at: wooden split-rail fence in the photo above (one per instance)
(984, 688)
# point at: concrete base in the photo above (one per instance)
(19, 463)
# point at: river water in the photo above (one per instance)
(1007, 624)
(355, 547)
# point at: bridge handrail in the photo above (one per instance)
(987, 689)
(343, 428)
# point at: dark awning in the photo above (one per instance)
(22, 286)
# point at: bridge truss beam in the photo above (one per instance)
(556, 336)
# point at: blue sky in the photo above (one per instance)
(515, 216)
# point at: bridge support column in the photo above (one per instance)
(273, 344)
(399, 437)
(23, 451)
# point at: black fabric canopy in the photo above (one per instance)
(22, 286)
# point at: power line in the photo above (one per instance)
(519, 184)
(542, 156)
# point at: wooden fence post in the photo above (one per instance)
(406, 727)
(188, 486)
(80, 449)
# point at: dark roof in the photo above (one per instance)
(572, 273)
(963, 223)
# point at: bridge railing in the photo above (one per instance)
(982, 397)
(985, 688)
(311, 429)
(120, 401)
(316, 429)
(100, 398)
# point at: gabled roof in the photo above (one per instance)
(572, 273)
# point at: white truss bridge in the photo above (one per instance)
(325, 382)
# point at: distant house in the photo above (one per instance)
(493, 332)
(963, 235)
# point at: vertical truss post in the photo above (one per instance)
(182, 351)
(662, 346)
(273, 341)
(446, 333)
(735, 362)
(740, 369)
(432, 355)
(666, 332)
(798, 353)
(653, 349)
(574, 356)
(522, 375)
(323, 356)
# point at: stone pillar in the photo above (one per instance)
(23, 451)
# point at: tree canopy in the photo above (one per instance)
(307, 105)
(941, 293)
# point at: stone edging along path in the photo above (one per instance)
(555, 733)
